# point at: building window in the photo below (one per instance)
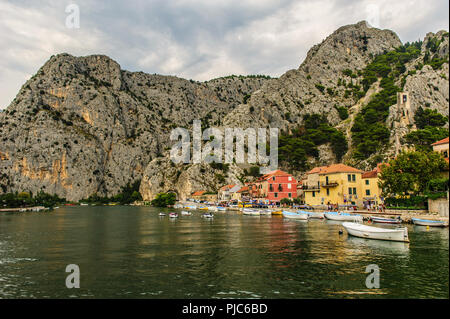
(368, 192)
(349, 177)
(328, 192)
(367, 182)
(314, 194)
(290, 178)
(350, 190)
(354, 190)
(273, 178)
(353, 177)
(289, 194)
(445, 154)
(276, 195)
(289, 186)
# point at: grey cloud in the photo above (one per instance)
(199, 39)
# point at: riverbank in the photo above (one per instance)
(25, 209)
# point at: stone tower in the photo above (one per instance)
(404, 113)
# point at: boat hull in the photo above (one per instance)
(343, 217)
(300, 216)
(381, 220)
(431, 223)
(369, 232)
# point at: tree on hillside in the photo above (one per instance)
(410, 173)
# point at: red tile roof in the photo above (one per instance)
(443, 141)
(198, 193)
(243, 189)
(371, 174)
(227, 187)
(337, 168)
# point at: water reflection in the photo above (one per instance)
(131, 252)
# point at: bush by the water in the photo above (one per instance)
(26, 199)
(164, 199)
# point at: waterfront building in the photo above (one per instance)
(273, 187)
(225, 192)
(334, 184)
(442, 147)
(204, 196)
(241, 195)
(370, 189)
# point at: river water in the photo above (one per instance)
(131, 252)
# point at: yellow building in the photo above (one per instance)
(442, 147)
(334, 184)
(371, 190)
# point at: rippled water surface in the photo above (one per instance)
(131, 252)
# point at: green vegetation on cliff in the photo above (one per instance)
(294, 148)
(369, 132)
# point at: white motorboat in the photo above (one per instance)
(213, 208)
(364, 231)
(250, 212)
(161, 214)
(265, 212)
(185, 213)
(343, 217)
(296, 215)
(316, 215)
(429, 222)
(386, 220)
(173, 215)
(208, 215)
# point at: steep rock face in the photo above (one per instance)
(161, 175)
(82, 125)
(313, 88)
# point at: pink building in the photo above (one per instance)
(274, 186)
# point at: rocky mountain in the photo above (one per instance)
(82, 125)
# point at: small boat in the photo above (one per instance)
(364, 231)
(203, 208)
(84, 204)
(213, 208)
(265, 212)
(190, 207)
(221, 209)
(429, 222)
(278, 212)
(343, 216)
(315, 215)
(296, 215)
(186, 213)
(177, 206)
(173, 215)
(386, 220)
(208, 215)
(161, 214)
(250, 212)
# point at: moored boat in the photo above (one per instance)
(161, 214)
(316, 215)
(278, 212)
(265, 212)
(370, 232)
(213, 208)
(386, 220)
(250, 212)
(343, 216)
(208, 215)
(429, 222)
(173, 215)
(296, 215)
(186, 213)
(221, 208)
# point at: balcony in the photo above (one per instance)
(330, 184)
(311, 188)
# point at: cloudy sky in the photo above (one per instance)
(194, 39)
